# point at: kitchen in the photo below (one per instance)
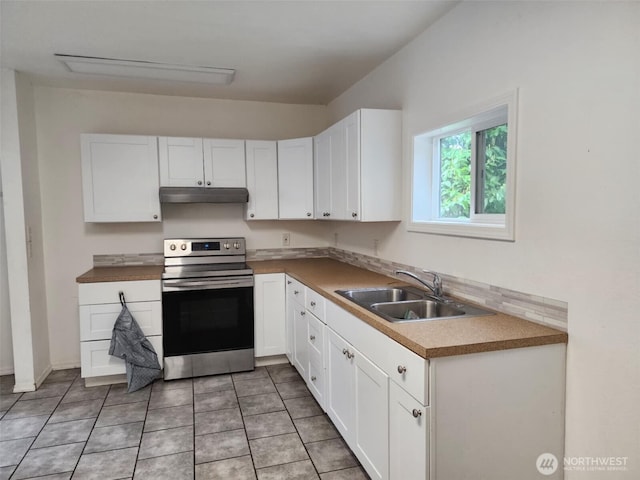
(572, 243)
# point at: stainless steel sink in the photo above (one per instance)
(369, 296)
(417, 309)
(409, 304)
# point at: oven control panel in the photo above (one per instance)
(200, 247)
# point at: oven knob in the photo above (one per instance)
(183, 246)
(226, 246)
(236, 245)
(172, 246)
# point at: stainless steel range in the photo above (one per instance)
(207, 307)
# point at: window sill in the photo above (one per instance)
(489, 231)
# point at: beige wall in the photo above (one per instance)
(577, 227)
(69, 243)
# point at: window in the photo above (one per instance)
(464, 174)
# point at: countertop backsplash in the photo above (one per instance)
(546, 311)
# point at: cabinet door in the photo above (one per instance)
(295, 178)
(289, 317)
(95, 360)
(338, 154)
(372, 418)
(322, 177)
(224, 163)
(181, 162)
(352, 149)
(120, 178)
(262, 180)
(408, 435)
(96, 321)
(340, 400)
(300, 344)
(269, 308)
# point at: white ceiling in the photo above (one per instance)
(284, 51)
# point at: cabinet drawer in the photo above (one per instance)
(408, 370)
(96, 361)
(295, 291)
(316, 339)
(96, 321)
(107, 292)
(316, 381)
(315, 303)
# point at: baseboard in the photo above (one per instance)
(105, 380)
(271, 360)
(6, 371)
(43, 376)
(65, 366)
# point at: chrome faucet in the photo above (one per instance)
(436, 287)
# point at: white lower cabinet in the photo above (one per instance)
(99, 308)
(358, 403)
(269, 314)
(372, 418)
(408, 436)
(300, 344)
(410, 418)
(341, 385)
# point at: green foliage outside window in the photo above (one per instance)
(455, 173)
(455, 176)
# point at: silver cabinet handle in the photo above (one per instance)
(155, 217)
(308, 214)
(303, 313)
(313, 378)
(288, 282)
(344, 351)
(313, 304)
(354, 214)
(295, 292)
(402, 369)
(252, 215)
(312, 337)
(416, 413)
(350, 355)
(208, 184)
(199, 182)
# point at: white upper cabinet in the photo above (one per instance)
(322, 175)
(224, 163)
(120, 178)
(181, 162)
(194, 162)
(262, 180)
(359, 168)
(295, 178)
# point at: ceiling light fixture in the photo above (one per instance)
(143, 69)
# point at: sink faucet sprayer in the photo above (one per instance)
(436, 287)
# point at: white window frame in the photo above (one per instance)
(425, 199)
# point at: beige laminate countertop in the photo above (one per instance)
(433, 338)
(121, 274)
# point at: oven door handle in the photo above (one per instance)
(181, 285)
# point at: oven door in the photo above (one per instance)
(202, 315)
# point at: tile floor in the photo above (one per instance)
(262, 424)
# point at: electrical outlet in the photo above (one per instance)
(286, 239)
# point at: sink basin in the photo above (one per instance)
(369, 296)
(409, 304)
(416, 310)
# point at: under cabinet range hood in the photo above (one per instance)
(203, 195)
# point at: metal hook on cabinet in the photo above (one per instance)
(123, 302)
